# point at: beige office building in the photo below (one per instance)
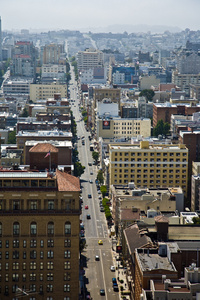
(146, 165)
(123, 128)
(45, 91)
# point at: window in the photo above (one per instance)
(50, 204)
(16, 205)
(50, 254)
(15, 277)
(67, 254)
(50, 228)
(33, 205)
(67, 228)
(33, 228)
(16, 229)
(15, 266)
(33, 243)
(24, 266)
(15, 243)
(41, 254)
(24, 243)
(41, 277)
(49, 288)
(15, 254)
(24, 254)
(32, 277)
(66, 287)
(41, 243)
(49, 265)
(33, 265)
(41, 265)
(50, 243)
(24, 277)
(50, 276)
(7, 255)
(33, 254)
(0, 229)
(68, 243)
(67, 265)
(67, 276)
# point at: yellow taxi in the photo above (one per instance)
(100, 242)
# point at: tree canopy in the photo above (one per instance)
(100, 177)
(161, 128)
(78, 169)
(95, 156)
(12, 137)
(149, 94)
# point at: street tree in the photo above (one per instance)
(78, 169)
(95, 156)
(100, 177)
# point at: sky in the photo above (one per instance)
(81, 14)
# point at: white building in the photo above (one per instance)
(89, 59)
(53, 71)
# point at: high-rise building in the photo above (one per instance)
(89, 59)
(39, 235)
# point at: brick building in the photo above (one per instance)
(39, 234)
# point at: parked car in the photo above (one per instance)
(88, 217)
(112, 268)
(102, 292)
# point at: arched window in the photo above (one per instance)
(50, 228)
(67, 228)
(16, 229)
(33, 228)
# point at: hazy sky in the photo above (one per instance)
(78, 14)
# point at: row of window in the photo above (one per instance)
(66, 204)
(33, 243)
(32, 265)
(33, 228)
(33, 277)
(149, 170)
(177, 154)
(33, 254)
(32, 288)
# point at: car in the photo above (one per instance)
(100, 203)
(112, 268)
(89, 196)
(91, 173)
(102, 292)
(90, 181)
(100, 242)
(102, 209)
(97, 258)
(100, 197)
(82, 234)
(99, 192)
(89, 164)
(114, 280)
(115, 287)
(88, 217)
(86, 206)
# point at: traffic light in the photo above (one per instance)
(118, 248)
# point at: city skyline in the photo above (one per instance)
(88, 14)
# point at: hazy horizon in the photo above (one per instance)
(64, 14)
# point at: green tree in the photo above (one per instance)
(100, 177)
(12, 137)
(24, 113)
(103, 190)
(196, 221)
(95, 156)
(78, 169)
(161, 128)
(149, 94)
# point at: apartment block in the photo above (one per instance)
(89, 59)
(185, 80)
(45, 91)
(39, 235)
(148, 165)
(123, 128)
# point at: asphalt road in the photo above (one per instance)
(97, 273)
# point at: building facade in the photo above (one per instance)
(147, 165)
(39, 235)
(45, 91)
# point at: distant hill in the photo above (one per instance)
(117, 28)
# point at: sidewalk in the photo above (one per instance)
(121, 275)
